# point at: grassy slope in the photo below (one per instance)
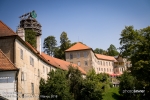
(112, 94)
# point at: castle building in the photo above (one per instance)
(84, 56)
(32, 64)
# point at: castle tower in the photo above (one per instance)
(28, 21)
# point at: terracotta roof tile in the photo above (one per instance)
(100, 56)
(61, 63)
(5, 63)
(78, 46)
(5, 30)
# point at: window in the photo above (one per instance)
(78, 55)
(21, 54)
(104, 63)
(101, 69)
(104, 69)
(31, 61)
(110, 69)
(71, 56)
(47, 70)
(85, 54)
(38, 73)
(86, 63)
(43, 69)
(107, 69)
(78, 63)
(109, 63)
(22, 76)
(32, 88)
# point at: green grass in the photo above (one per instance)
(112, 94)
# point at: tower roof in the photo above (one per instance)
(5, 63)
(5, 30)
(78, 46)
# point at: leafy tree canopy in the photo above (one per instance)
(65, 44)
(49, 45)
(135, 44)
(112, 51)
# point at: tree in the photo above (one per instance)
(92, 87)
(75, 80)
(127, 82)
(65, 44)
(112, 51)
(49, 45)
(99, 51)
(30, 37)
(56, 85)
(135, 44)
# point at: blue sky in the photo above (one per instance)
(96, 23)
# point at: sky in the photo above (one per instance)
(96, 23)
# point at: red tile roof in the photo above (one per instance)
(5, 63)
(78, 46)
(105, 57)
(61, 63)
(5, 30)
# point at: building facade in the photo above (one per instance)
(32, 64)
(87, 59)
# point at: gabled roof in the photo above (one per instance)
(61, 63)
(5, 63)
(5, 30)
(104, 57)
(78, 46)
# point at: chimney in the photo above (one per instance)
(38, 43)
(21, 33)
